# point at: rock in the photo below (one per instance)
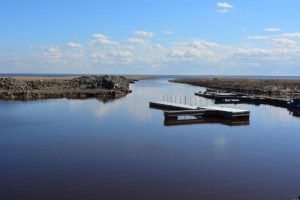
(77, 88)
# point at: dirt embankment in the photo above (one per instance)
(281, 88)
(103, 87)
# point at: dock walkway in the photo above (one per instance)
(226, 112)
(174, 110)
(171, 106)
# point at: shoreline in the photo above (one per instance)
(82, 87)
(279, 88)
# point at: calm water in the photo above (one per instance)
(87, 149)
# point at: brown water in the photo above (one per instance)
(87, 149)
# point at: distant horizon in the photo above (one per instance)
(154, 75)
(231, 37)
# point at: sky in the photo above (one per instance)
(175, 37)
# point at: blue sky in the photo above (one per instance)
(150, 37)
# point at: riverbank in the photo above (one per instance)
(279, 88)
(37, 87)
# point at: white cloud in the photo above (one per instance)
(138, 41)
(108, 42)
(158, 46)
(74, 45)
(101, 39)
(98, 55)
(224, 7)
(53, 53)
(73, 56)
(272, 29)
(291, 35)
(123, 54)
(100, 36)
(144, 34)
(203, 44)
(284, 42)
(197, 51)
(139, 52)
(177, 53)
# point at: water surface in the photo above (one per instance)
(88, 149)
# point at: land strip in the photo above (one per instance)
(31, 88)
(130, 78)
(279, 88)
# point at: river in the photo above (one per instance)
(121, 149)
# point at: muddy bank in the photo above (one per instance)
(281, 88)
(102, 87)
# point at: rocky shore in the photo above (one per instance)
(281, 88)
(102, 87)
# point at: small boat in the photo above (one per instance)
(294, 104)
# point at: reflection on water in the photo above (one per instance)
(295, 113)
(88, 149)
(195, 120)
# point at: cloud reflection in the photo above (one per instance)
(220, 144)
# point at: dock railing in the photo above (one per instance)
(187, 100)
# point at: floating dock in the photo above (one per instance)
(177, 113)
(206, 120)
(213, 111)
(175, 110)
(226, 112)
(227, 98)
(171, 106)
